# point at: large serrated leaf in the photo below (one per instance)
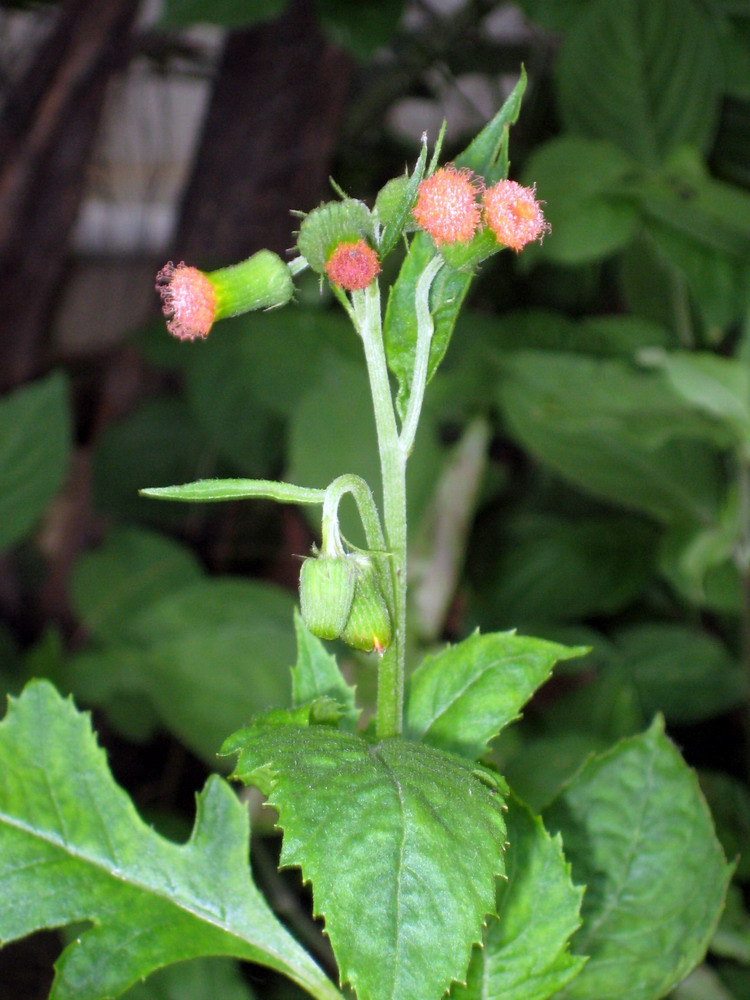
(73, 849)
(525, 954)
(640, 837)
(402, 844)
(645, 75)
(34, 448)
(487, 156)
(460, 698)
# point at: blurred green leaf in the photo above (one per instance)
(732, 937)
(197, 980)
(225, 13)
(545, 763)
(525, 952)
(639, 836)
(729, 799)
(133, 568)
(645, 75)
(34, 451)
(362, 27)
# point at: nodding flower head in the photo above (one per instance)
(447, 206)
(188, 300)
(353, 265)
(514, 215)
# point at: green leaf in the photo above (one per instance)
(316, 674)
(34, 450)
(196, 980)
(639, 836)
(525, 953)
(132, 569)
(226, 13)
(363, 27)
(74, 849)
(460, 698)
(645, 75)
(608, 427)
(487, 156)
(372, 826)
(580, 181)
(682, 671)
(729, 801)
(210, 490)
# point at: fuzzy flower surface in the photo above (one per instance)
(513, 214)
(353, 265)
(188, 300)
(447, 206)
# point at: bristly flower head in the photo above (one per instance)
(353, 265)
(514, 215)
(188, 300)
(447, 206)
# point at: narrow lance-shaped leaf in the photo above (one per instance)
(73, 849)
(209, 490)
(487, 156)
(525, 953)
(401, 842)
(639, 835)
(460, 698)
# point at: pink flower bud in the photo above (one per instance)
(447, 206)
(353, 265)
(514, 215)
(188, 300)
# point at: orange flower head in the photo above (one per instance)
(447, 206)
(188, 300)
(514, 215)
(353, 265)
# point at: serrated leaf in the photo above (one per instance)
(487, 156)
(645, 75)
(316, 674)
(639, 836)
(372, 827)
(460, 698)
(74, 849)
(34, 448)
(525, 953)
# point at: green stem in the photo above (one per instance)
(366, 308)
(368, 511)
(425, 329)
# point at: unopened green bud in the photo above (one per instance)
(326, 227)
(368, 626)
(326, 591)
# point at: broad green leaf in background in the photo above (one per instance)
(543, 764)
(729, 800)
(206, 658)
(607, 427)
(132, 568)
(640, 838)
(487, 155)
(460, 698)
(34, 451)
(371, 826)
(525, 953)
(74, 849)
(362, 28)
(553, 568)
(645, 75)
(316, 674)
(201, 979)
(225, 13)
(332, 432)
(580, 182)
(732, 937)
(680, 670)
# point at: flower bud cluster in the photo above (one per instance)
(454, 205)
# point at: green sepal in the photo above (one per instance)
(263, 281)
(395, 202)
(335, 222)
(326, 592)
(368, 626)
(466, 256)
